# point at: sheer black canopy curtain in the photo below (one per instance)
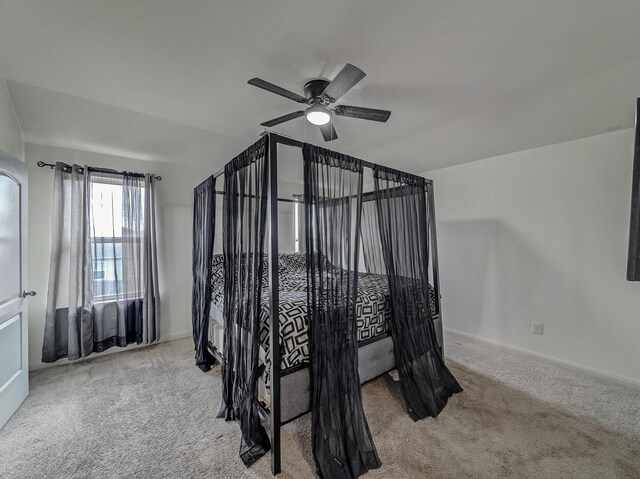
(401, 208)
(204, 212)
(103, 280)
(244, 223)
(370, 237)
(342, 443)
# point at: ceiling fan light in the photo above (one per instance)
(318, 115)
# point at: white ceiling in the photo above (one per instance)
(166, 80)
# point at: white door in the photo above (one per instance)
(14, 368)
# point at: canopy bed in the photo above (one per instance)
(299, 332)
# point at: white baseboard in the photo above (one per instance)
(549, 359)
(177, 335)
(114, 350)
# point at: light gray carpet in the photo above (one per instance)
(151, 413)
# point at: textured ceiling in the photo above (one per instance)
(166, 80)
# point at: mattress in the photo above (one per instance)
(373, 308)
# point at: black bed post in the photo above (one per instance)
(274, 305)
(434, 256)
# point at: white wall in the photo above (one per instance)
(10, 133)
(174, 197)
(541, 235)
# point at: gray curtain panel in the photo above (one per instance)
(103, 286)
(68, 330)
(151, 288)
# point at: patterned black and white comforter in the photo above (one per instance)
(373, 307)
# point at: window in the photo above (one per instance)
(98, 269)
(108, 247)
(296, 226)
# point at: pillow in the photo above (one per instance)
(217, 270)
(294, 263)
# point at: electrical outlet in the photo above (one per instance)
(537, 328)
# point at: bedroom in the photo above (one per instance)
(521, 115)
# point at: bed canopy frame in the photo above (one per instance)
(274, 412)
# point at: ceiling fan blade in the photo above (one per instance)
(282, 119)
(362, 113)
(344, 81)
(265, 85)
(328, 131)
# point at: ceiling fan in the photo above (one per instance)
(321, 93)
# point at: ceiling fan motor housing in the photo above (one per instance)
(313, 90)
